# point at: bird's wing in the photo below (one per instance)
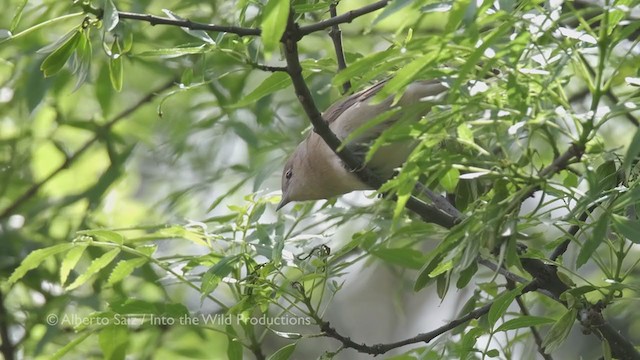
(334, 111)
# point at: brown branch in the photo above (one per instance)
(192, 25)
(159, 20)
(344, 18)
(573, 230)
(525, 311)
(336, 37)
(33, 190)
(238, 30)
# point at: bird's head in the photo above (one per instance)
(293, 179)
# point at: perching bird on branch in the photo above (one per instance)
(315, 172)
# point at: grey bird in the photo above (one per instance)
(315, 172)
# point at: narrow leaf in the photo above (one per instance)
(559, 331)
(450, 180)
(274, 22)
(632, 153)
(72, 344)
(628, 228)
(96, 265)
(124, 268)
(56, 60)
(113, 341)
(502, 303)
(214, 275)
(110, 16)
(200, 34)
(523, 322)
(284, 353)
(34, 259)
(70, 261)
(591, 244)
(276, 81)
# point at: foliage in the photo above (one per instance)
(113, 132)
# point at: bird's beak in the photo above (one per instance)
(283, 202)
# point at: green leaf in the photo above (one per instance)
(96, 265)
(274, 22)
(82, 61)
(284, 353)
(110, 15)
(234, 349)
(405, 257)
(465, 133)
(70, 261)
(116, 68)
(124, 268)
(35, 258)
(632, 153)
(200, 34)
(559, 331)
(591, 244)
(466, 275)
(103, 89)
(456, 14)
(450, 180)
(436, 257)
(405, 76)
(177, 51)
(104, 235)
(113, 341)
(362, 66)
(17, 16)
(391, 9)
(523, 322)
(214, 275)
(56, 60)
(72, 344)
(628, 228)
(276, 81)
(502, 303)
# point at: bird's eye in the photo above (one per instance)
(288, 174)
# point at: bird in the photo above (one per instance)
(315, 172)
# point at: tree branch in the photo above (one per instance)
(33, 190)
(336, 37)
(344, 18)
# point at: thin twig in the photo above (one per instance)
(525, 311)
(336, 37)
(573, 230)
(33, 190)
(344, 18)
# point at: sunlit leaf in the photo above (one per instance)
(274, 21)
(35, 258)
(96, 265)
(56, 60)
(70, 261)
(113, 340)
(124, 268)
